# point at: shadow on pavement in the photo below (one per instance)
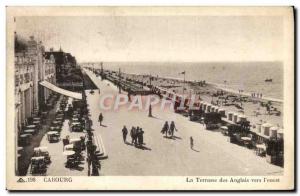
(143, 147)
(138, 146)
(173, 137)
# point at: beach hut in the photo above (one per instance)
(230, 116)
(200, 104)
(212, 109)
(242, 118)
(265, 128)
(221, 111)
(208, 109)
(258, 127)
(273, 132)
(204, 106)
(235, 117)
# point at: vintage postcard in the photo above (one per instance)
(150, 98)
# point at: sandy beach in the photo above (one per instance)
(253, 107)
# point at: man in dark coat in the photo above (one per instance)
(125, 132)
(100, 119)
(141, 137)
(191, 142)
(136, 133)
(132, 134)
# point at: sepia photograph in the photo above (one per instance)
(109, 98)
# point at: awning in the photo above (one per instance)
(60, 90)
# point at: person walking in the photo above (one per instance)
(138, 136)
(132, 133)
(136, 133)
(124, 132)
(191, 142)
(172, 128)
(165, 129)
(141, 137)
(100, 119)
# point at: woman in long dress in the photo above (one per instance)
(165, 129)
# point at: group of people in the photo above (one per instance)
(169, 129)
(136, 134)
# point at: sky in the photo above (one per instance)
(159, 38)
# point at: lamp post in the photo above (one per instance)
(32, 97)
(183, 82)
(119, 80)
(150, 111)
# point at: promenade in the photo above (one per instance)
(212, 154)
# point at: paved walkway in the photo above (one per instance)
(212, 154)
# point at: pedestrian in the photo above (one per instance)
(172, 128)
(165, 128)
(140, 137)
(191, 142)
(136, 133)
(125, 132)
(100, 119)
(132, 133)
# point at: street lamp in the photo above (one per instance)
(32, 97)
(183, 81)
(119, 80)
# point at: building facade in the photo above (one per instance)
(31, 67)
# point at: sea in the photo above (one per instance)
(247, 76)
